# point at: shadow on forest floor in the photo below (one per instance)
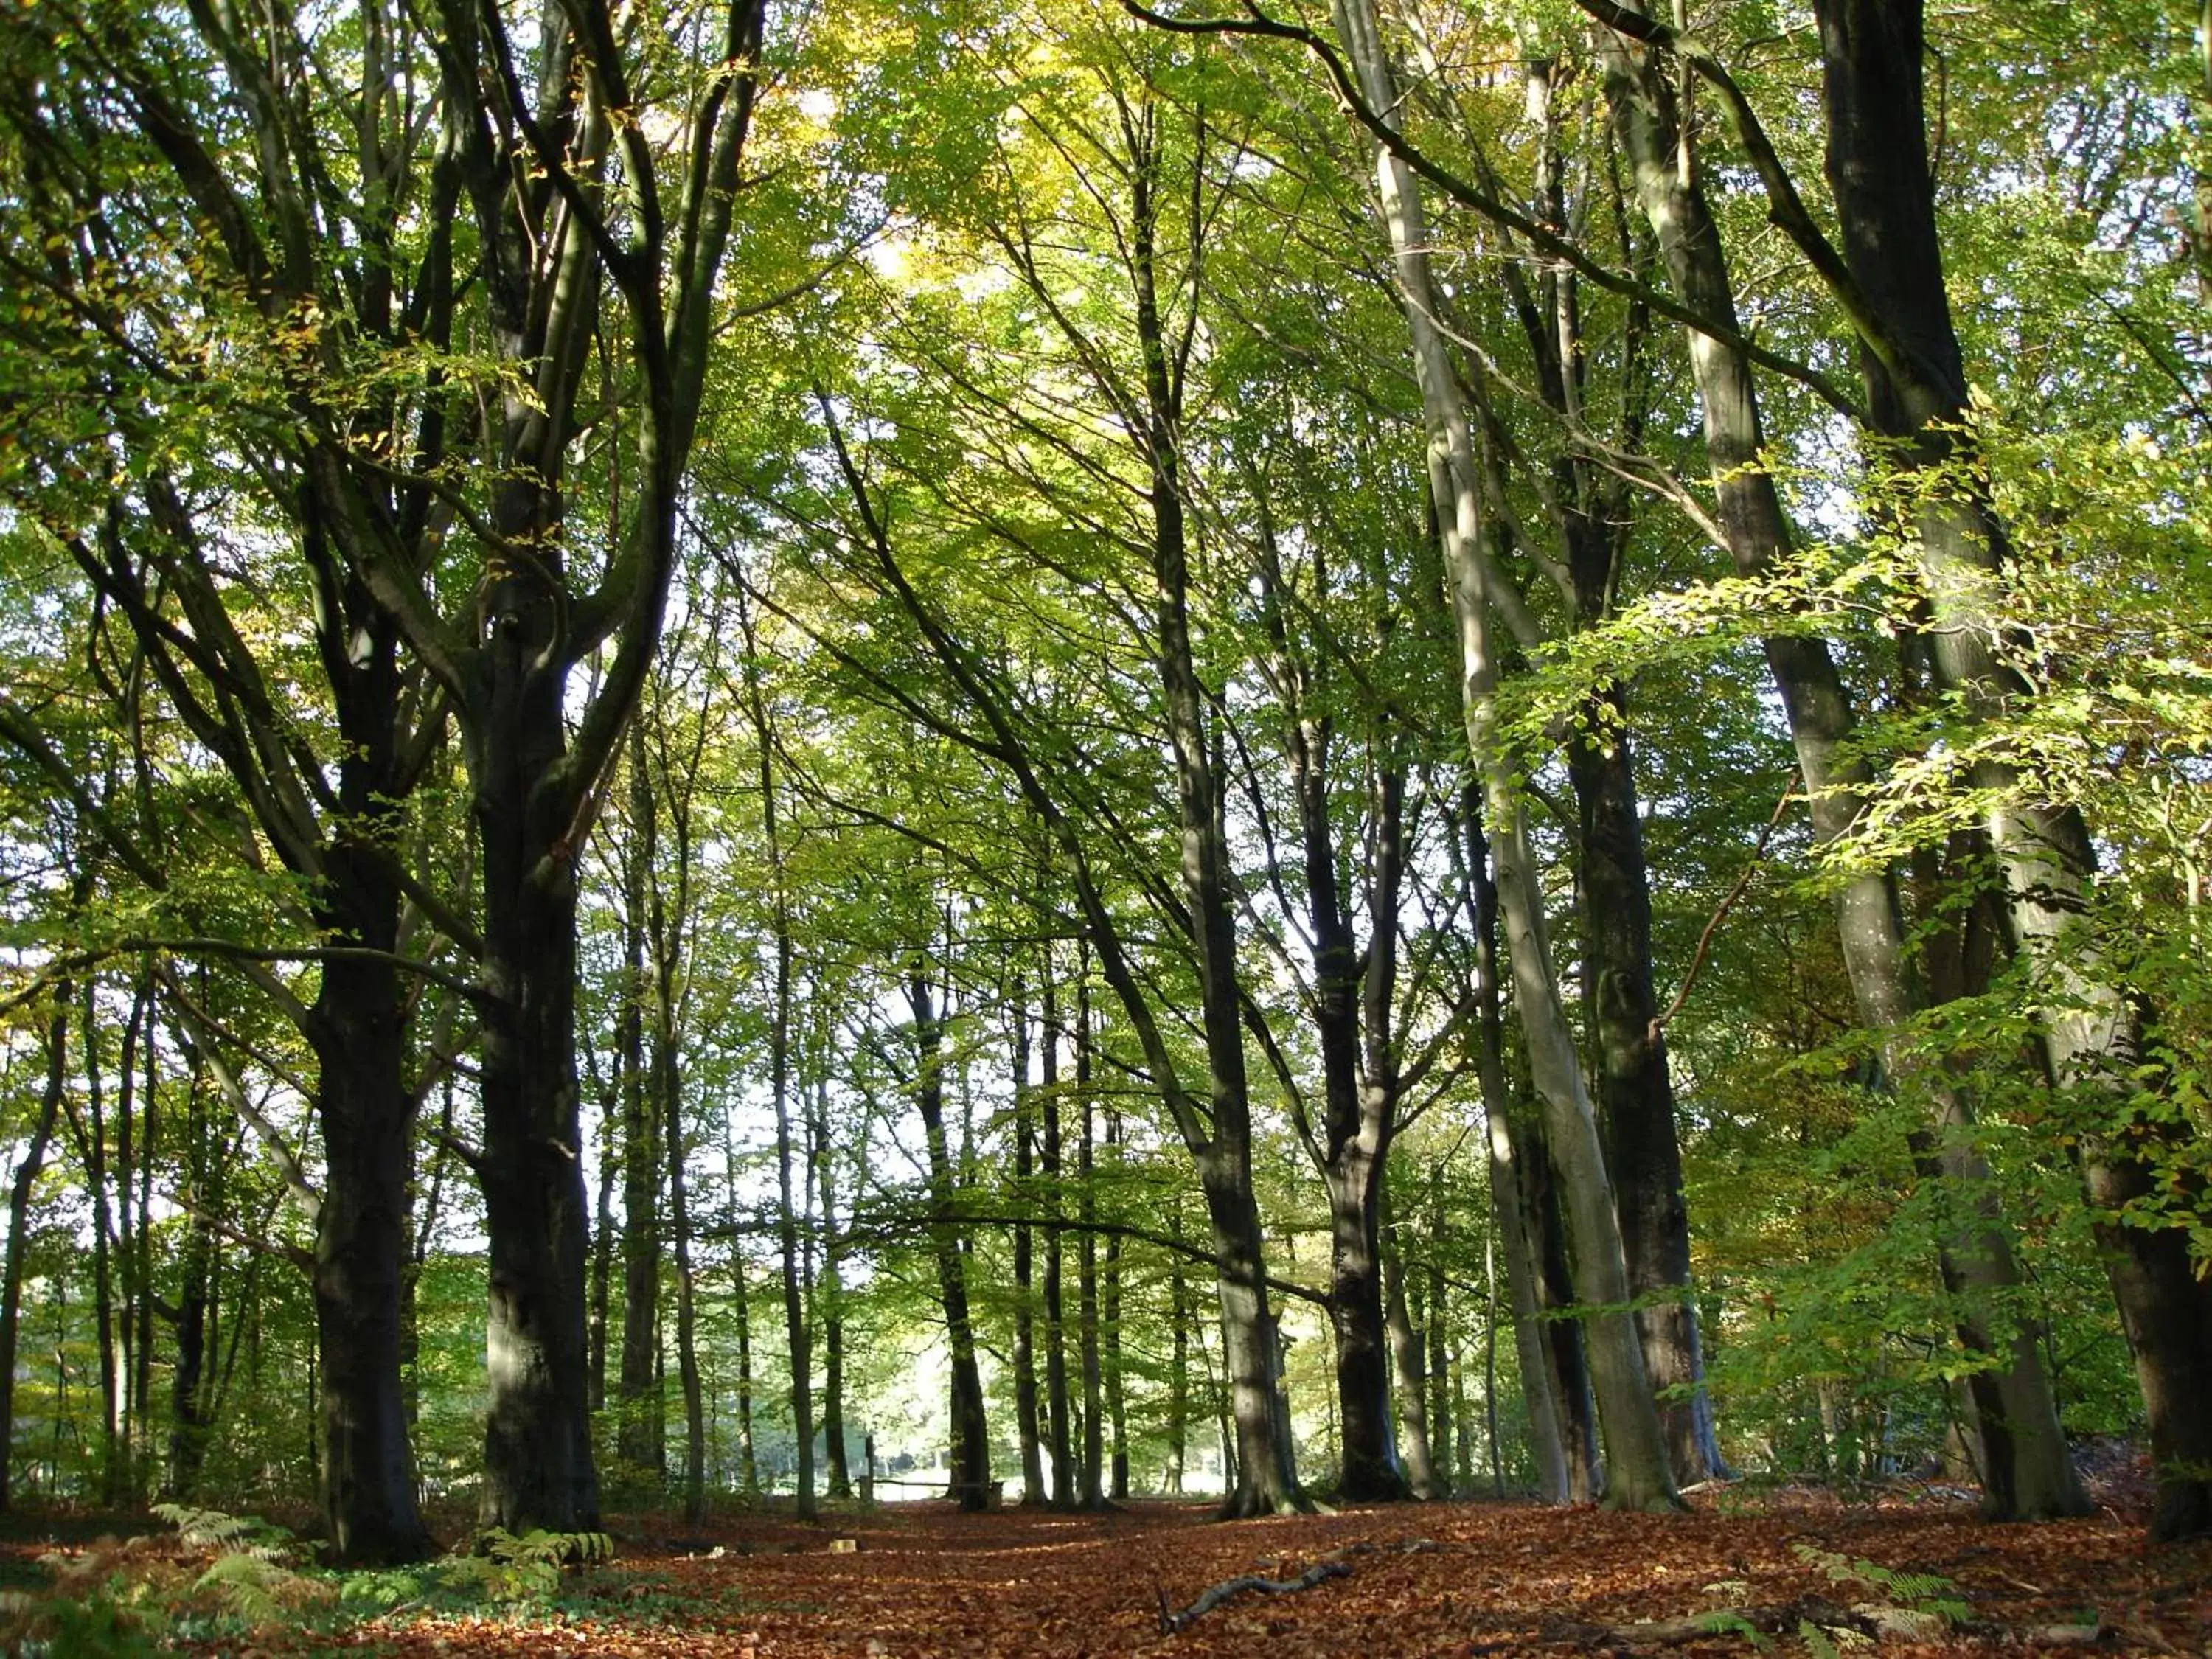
(1785, 1571)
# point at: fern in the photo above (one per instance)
(1729, 1621)
(248, 1585)
(244, 1534)
(383, 1590)
(1924, 1593)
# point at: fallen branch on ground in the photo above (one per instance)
(1337, 1564)
(1789, 1617)
(1785, 1616)
(1229, 1589)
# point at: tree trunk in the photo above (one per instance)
(1221, 1141)
(1055, 1353)
(1510, 1153)
(971, 1437)
(19, 1220)
(196, 1272)
(2037, 1478)
(1182, 1308)
(1412, 1379)
(602, 1255)
(1034, 1490)
(1117, 1403)
(1091, 1488)
(748, 1457)
(1635, 1089)
(667, 1076)
(1263, 1483)
(829, 1292)
(367, 1465)
(1877, 163)
(1566, 1355)
(538, 1471)
(1117, 1399)
(1639, 1475)
(640, 1444)
(1437, 1325)
(1593, 511)
(91, 1136)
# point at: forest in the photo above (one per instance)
(758, 758)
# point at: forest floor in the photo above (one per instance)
(1817, 1575)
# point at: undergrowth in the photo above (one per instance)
(219, 1576)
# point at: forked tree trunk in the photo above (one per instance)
(538, 1471)
(1219, 1137)
(1877, 162)
(1639, 1476)
(2031, 1475)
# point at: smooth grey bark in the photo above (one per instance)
(1639, 1475)
(1059, 1430)
(797, 1333)
(1872, 59)
(1182, 1308)
(1110, 1311)
(1508, 1151)
(830, 1289)
(1592, 509)
(1090, 1484)
(970, 1449)
(1026, 1403)
(1409, 1376)
(2030, 1471)
(1435, 1319)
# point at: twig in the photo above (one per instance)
(1735, 892)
